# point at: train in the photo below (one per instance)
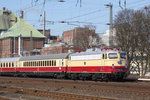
(92, 64)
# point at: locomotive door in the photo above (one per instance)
(104, 57)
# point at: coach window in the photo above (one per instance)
(54, 62)
(32, 63)
(35, 63)
(23, 63)
(40, 63)
(9, 64)
(45, 63)
(12, 64)
(50, 63)
(29, 64)
(1, 64)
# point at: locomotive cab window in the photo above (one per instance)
(112, 56)
(123, 55)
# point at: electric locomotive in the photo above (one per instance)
(96, 64)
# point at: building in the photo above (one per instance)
(57, 47)
(46, 34)
(71, 36)
(7, 19)
(105, 37)
(20, 39)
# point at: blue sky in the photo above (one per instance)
(90, 12)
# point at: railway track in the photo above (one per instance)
(1, 98)
(107, 89)
(55, 95)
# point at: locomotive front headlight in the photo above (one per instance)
(119, 62)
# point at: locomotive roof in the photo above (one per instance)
(9, 59)
(42, 57)
(96, 51)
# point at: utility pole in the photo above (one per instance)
(110, 25)
(43, 22)
(31, 43)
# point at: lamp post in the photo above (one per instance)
(110, 25)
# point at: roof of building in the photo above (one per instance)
(23, 28)
(6, 19)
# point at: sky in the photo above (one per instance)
(73, 12)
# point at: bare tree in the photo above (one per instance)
(124, 32)
(133, 36)
(86, 38)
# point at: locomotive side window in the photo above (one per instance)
(123, 55)
(112, 55)
(105, 56)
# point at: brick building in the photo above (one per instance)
(54, 48)
(70, 37)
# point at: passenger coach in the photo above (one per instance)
(40, 65)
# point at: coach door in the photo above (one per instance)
(61, 63)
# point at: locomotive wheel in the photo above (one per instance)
(73, 76)
(94, 78)
(81, 77)
(24, 75)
